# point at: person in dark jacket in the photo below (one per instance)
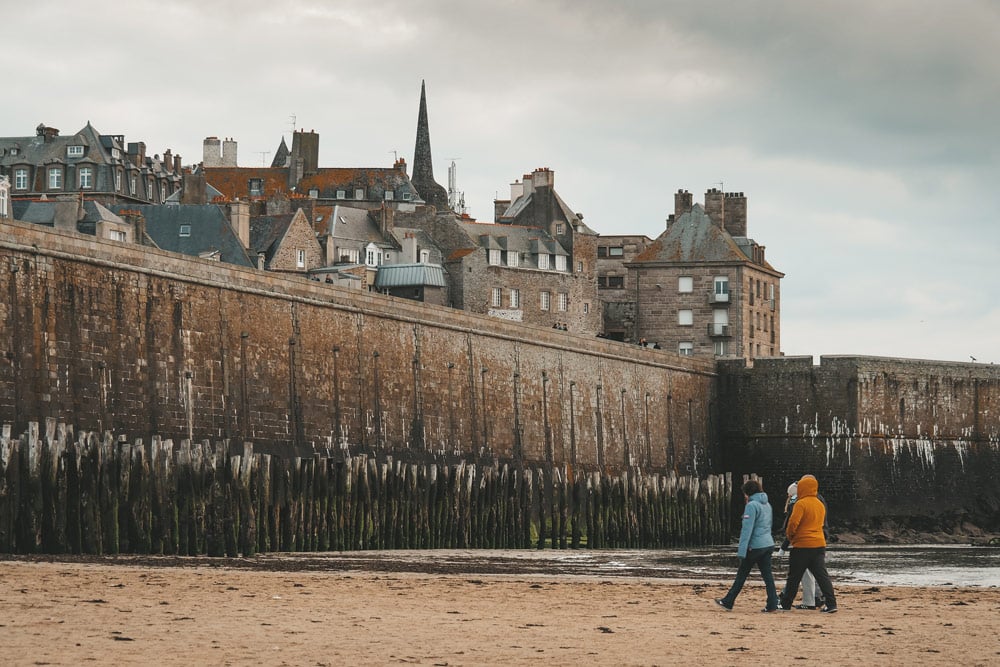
(756, 545)
(805, 531)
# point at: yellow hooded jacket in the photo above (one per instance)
(805, 525)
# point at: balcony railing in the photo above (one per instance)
(714, 297)
(718, 330)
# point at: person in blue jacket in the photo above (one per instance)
(756, 545)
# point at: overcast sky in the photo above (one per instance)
(866, 135)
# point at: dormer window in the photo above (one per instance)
(513, 258)
(560, 262)
(74, 151)
(543, 261)
(407, 196)
(86, 178)
(20, 179)
(185, 231)
(359, 193)
(494, 256)
(55, 178)
(389, 195)
(14, 150)
(313, 193)
(256, 187)
(341, 194)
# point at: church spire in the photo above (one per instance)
(423, 169)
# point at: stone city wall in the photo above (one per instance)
(114, 337)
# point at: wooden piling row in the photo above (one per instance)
(101, 495)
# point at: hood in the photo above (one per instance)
(759, 497)
(808, 486)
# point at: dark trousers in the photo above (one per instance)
(762, 559)
(814, 560)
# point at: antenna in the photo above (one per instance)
(395, 156)
(293, 118)
(456, 199)
(263, 155)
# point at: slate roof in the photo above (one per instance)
(234, 182)
(693, 237)
(512, 238)
(281, 155)
(266, 232)
(43, 213)
(373, 180)
(355, 224)
(210, 230)
(409, 275)
(36, 150)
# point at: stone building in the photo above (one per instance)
(703, 287)
(71, 212)
(285, 243)
(5, 213)
(100, 166)
(613, 287)
(430, 190)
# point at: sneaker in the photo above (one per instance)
(807, 606)
(784, 607)
(768, 611)
(828, 610)
(722, 604)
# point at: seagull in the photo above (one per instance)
(972, 357)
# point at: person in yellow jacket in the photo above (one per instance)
(805, 533)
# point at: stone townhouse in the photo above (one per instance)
(613, 287)
(285, 243)
(5, 212)
(703, 287)
(100, 166)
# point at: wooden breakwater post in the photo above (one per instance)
(62, 492)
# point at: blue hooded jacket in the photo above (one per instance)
(756, 530)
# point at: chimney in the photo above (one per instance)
(193, 188)
(400, 164)
(500, 206)
(178, 168)
(137, 151)
(239, 218)
(410, 248)
(229, 153)
(305, 146)
(211, 152)
(138, 222)
(47, 133)
(516, 190)
(386, 220)
(682, 203)
(260, 261)
(715, 206)
(68, 211)
(736, 214)
(542, 178)
(168, 160)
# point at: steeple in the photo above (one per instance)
(281, 155)
(423, 169)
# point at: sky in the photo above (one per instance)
(865, 135)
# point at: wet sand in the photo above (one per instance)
(101, 611)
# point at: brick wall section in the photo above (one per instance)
(111, 336)
(906, 440)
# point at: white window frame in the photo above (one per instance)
(118, 181)
(685, 317)
(74, 151)
(685, 284)
(359, 193)
(184, 231)
(21, 179)
(586, 307)
(389, 195)
(560, 262)
(721, 348)
(3, 202)
(494, 256)
(685, 348)
(341, 194)
(86, 175)
(313, 193)
(496, 297)
(55, 178)
(131, 185)
(300, 259)
(543, 261)
(118, 235)
(513, 258)
(579, 267)
(544, 300)
(562, 302)
(149, 190)
(721, 285)
(163, 192)
(515, 298)
(425, 256)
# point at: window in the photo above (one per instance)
(3, 203)
(313, 193)
(149, 190)
(515, 298)
(560, 262)
(496, 297)
(494, 256)
(543, 261)
(586, 307)
(602, 251)
(256, 187)
(685, 348)
(300, 259)
(722, 288)
(185, 231)
(610, 282)
(359, 193)
(74, 151)
(163, 192)
(562, 302)
(720, 348)
(131, 185)
(579, 267)
(560, 228)
(20, 179)
(14, 151)
(407, 196)
(425, 256)
(685, 318)
(348, 255)
(685, 284)
(543, 300)
(513, 258)
(616, 251)
(55, 178)
(341, 194)
(86, 178)
(116, 235)
(371, 256)
(389, 194)
(118, 181)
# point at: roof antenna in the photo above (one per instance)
(293, 119)
(263, 154)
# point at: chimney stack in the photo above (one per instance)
(683, 201)
(736, 214)
(715, 206)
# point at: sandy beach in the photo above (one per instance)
(105, 612)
